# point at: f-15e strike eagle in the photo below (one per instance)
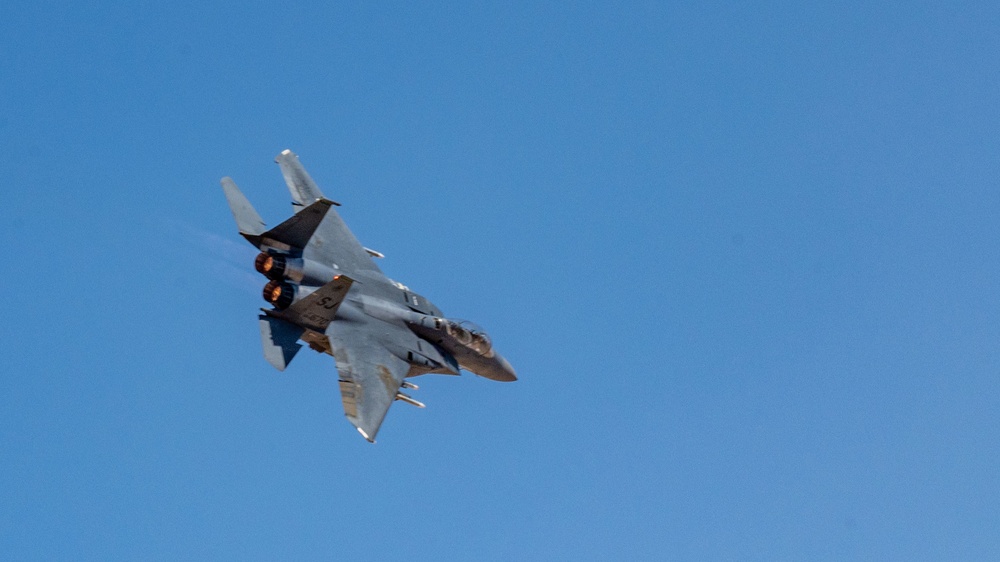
(326, 290)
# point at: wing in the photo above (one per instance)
(332, 242)
(370, 376)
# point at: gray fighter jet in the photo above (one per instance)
(326, 290)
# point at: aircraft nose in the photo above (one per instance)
(506, 370)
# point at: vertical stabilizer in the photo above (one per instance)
(247, 219)
(302, 187)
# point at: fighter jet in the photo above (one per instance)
(325, 289)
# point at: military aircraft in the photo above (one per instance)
(325, 289)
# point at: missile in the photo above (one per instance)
(408, 400)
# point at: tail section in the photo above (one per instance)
(247, 219)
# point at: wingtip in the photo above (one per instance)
(365, 435)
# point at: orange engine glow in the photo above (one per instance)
(272, 291)
(279, 293)
(272, 266)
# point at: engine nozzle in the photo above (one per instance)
(272, 266)
(285, 267)
(279, 294)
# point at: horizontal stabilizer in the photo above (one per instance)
(247, 219)
(296, 231)
(280, 341)
(319, 308)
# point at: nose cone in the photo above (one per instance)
(504, 371)
(495, 368)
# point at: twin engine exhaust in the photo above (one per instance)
(277, 292)
(287, 273)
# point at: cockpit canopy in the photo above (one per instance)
(468, 334)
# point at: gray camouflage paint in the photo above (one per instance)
(332, 296)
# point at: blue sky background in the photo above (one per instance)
(744, 259)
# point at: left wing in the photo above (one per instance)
(370, 375)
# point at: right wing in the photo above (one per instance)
(370, 376)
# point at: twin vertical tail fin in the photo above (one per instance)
(301, 186)
(294, 233)
(247, 219)
(280, 335)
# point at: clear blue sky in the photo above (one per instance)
(744, 259)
